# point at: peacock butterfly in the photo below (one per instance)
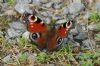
(49, 38)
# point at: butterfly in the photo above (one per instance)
(45, 37)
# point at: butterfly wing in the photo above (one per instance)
(61, 33)
(64, 29)
(37, 29)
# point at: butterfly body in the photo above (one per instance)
(46, 37)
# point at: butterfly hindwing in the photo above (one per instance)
(60, 33)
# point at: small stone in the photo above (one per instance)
(10, 40)
(94, 27)
(1, 15)
(1, 1)
(81, 36)
(74, 31)
(87, 15)
(88, 44)
(74, 43)
(44, 1)
(56, 6)
(83, 26)
(77, 1)
(26, 35)
(16, 29)
(47, 20)
(24, 1)
(61, 21)
(48, 5)
(17, 25)
(57, 17)
(50, 14)
(75, 8)
(7, 58)
(12, 33)
(65, 11)
(57, 1)
(22, 8)
(36, 2)
(44, 14)
(97, 5)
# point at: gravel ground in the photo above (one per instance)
(16, 48)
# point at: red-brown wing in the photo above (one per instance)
(37, 28)
(57, 40)
(36, 24)
(63, 29)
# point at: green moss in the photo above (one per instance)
(11, 2)
(94, 17)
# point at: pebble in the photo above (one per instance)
(36, 2)
(47, 20)
(61, 21)
(65, 11)
(74, 31)
(44, 14)
(24, 1)
(7, 58)
(48, 5)
(56, 6)
(50, 14)
(1, 1)
(75, 8)
(81, 36)
(44, 1)
(94, 27)
(26, 35)
(83, 26)
(88, 44)
(87, 15)
(97, 5)
(72, 41)
(57, 17)
(12, 33)
(16, 29)
(77, 1)
(57, 1)
(17, 25)
(22, 8)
